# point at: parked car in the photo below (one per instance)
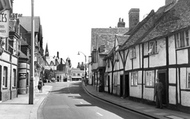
(53, 79)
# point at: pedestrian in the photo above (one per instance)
(40, 85)
(158, 92)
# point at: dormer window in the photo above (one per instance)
(152, 48)
(182, 39)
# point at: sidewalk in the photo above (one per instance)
(144, 109)
(18, 108)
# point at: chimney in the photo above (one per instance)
(58, 55)
(133, 17)
(121, 23)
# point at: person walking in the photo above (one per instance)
(158, 93)
(40, 85)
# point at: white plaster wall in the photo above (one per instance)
(145, 48)
(135, 91)
(172, 95)
(5, 56)
(136, 60)
(172, 75)
(172, 50)
(182, 56)
(160, 58)
(183, 78)
(140, 56)
(145, 62)
(148, 93)
(139, 77)
(128, 65)
(14, 60)
(185, 98)
(120, 62)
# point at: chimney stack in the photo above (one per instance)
(58, 55)
(121, 23)
(133, 17)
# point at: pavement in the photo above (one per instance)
(19, 108)
(145, 109)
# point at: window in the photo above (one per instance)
(134, 78)
(5, 77)
(14, 78)
(150, 78)
(133, 53)
(182, 39)
(188, 80)
(152, 47)
(108, 63)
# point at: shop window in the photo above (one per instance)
(152, 48)
(5, 77)
(182, 39)
(14, 78)
(134, 78)
(149, 78)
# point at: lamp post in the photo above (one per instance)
(31, 86)
(84, 66)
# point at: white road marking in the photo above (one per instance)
(99, 113)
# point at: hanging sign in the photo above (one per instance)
(4, 23)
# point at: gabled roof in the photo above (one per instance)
(174, 19)
(25, 21)
(146, 26)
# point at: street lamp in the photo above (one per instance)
(84, 66)
(31, 86)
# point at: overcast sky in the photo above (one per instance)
(67, 23)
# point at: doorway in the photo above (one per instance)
(108, 84)
(121, 85)
(163, 78)
(126, 85)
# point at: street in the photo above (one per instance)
(68, 100)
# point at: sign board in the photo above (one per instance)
(22, 75)
(4, 23)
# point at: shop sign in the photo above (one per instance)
(4, 23)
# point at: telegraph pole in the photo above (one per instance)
(31, 86)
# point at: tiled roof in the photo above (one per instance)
(25, 21)
(174, 19)
(105, 36)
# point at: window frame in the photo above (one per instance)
(182, 39)
(5, 77)
(14, 78)
(133, 52)
(134, 78)
(150, 79)
(152, 48)
(188, 81)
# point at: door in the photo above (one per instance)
(121, 85)
(108, 84)
(127, 85)
(163, 79)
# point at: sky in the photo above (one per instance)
(67, 24)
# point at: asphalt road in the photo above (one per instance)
(68, 100)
